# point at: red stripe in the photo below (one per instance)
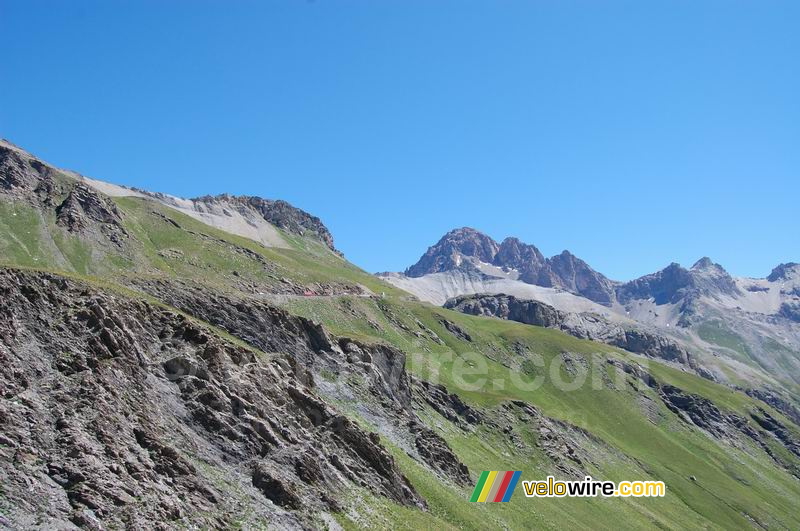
(503, 486)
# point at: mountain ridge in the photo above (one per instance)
(162, 366)
(703, 307)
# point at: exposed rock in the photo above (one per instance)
(508, 307)
(569, 272)
(279, 213)
(447, 404)
(456, 330)
(25, 178)
(791, 311)
(773, 399)
(675, 283)
(583, 326)
(437, 453)
(84, 209)
(447, 253)
(118, 413)
(469, 249)
(315, 350)
(703, 413)
(784, 272)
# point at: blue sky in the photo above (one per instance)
(632, 133)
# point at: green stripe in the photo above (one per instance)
(479, 487)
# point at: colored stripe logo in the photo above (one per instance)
(494, 486)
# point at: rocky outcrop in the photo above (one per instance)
(437, 453)
(118, 413)
(778, 402)
(81, 211)
(583, 326)
(277, 212)
(508, 307)
(704, 414)
(456, 330)
(785, 271)
(791, 311)
(448, 405)
(86, 210)
(25, 178)
(380, 366)
(569, 272)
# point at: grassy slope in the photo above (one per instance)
(731, 482)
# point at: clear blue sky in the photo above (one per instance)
(632, 133)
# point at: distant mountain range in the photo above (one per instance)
(737, 327)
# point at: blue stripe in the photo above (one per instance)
(512, 485)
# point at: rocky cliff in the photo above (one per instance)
(119, 413)
(584, 326)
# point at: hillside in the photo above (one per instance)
(741, 331)
(163, 366)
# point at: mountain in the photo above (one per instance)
(674, 283)
(583, 325)
(214, 363)
(470, 249)
(738, 329)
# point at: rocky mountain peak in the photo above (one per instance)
(575, 275)
(451, 250)
(785, 271)
(706, 266)
(704, 263)
(515, 254)
(675, 283)
(460, 249)
(665, 286)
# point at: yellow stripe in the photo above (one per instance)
(487, 486)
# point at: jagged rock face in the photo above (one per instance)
(461, 248)
(448, 252)
(575, 275)
(583, 326)
(508, 307)
(665, 286)
(26, 178)
(786, 271)
(781, 404)
(117, 413)
(84, 206)
(675, 283)
(279, 213)
(85, 210)
(273, 329)
(712, 279)
(515, 254)
(791, 311)
(14, 172)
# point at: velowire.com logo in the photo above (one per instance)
(494, 486)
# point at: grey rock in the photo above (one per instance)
(584, 326)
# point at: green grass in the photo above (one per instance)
(733, 480)
(730, 481)
(717, 333)
(21, 236)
